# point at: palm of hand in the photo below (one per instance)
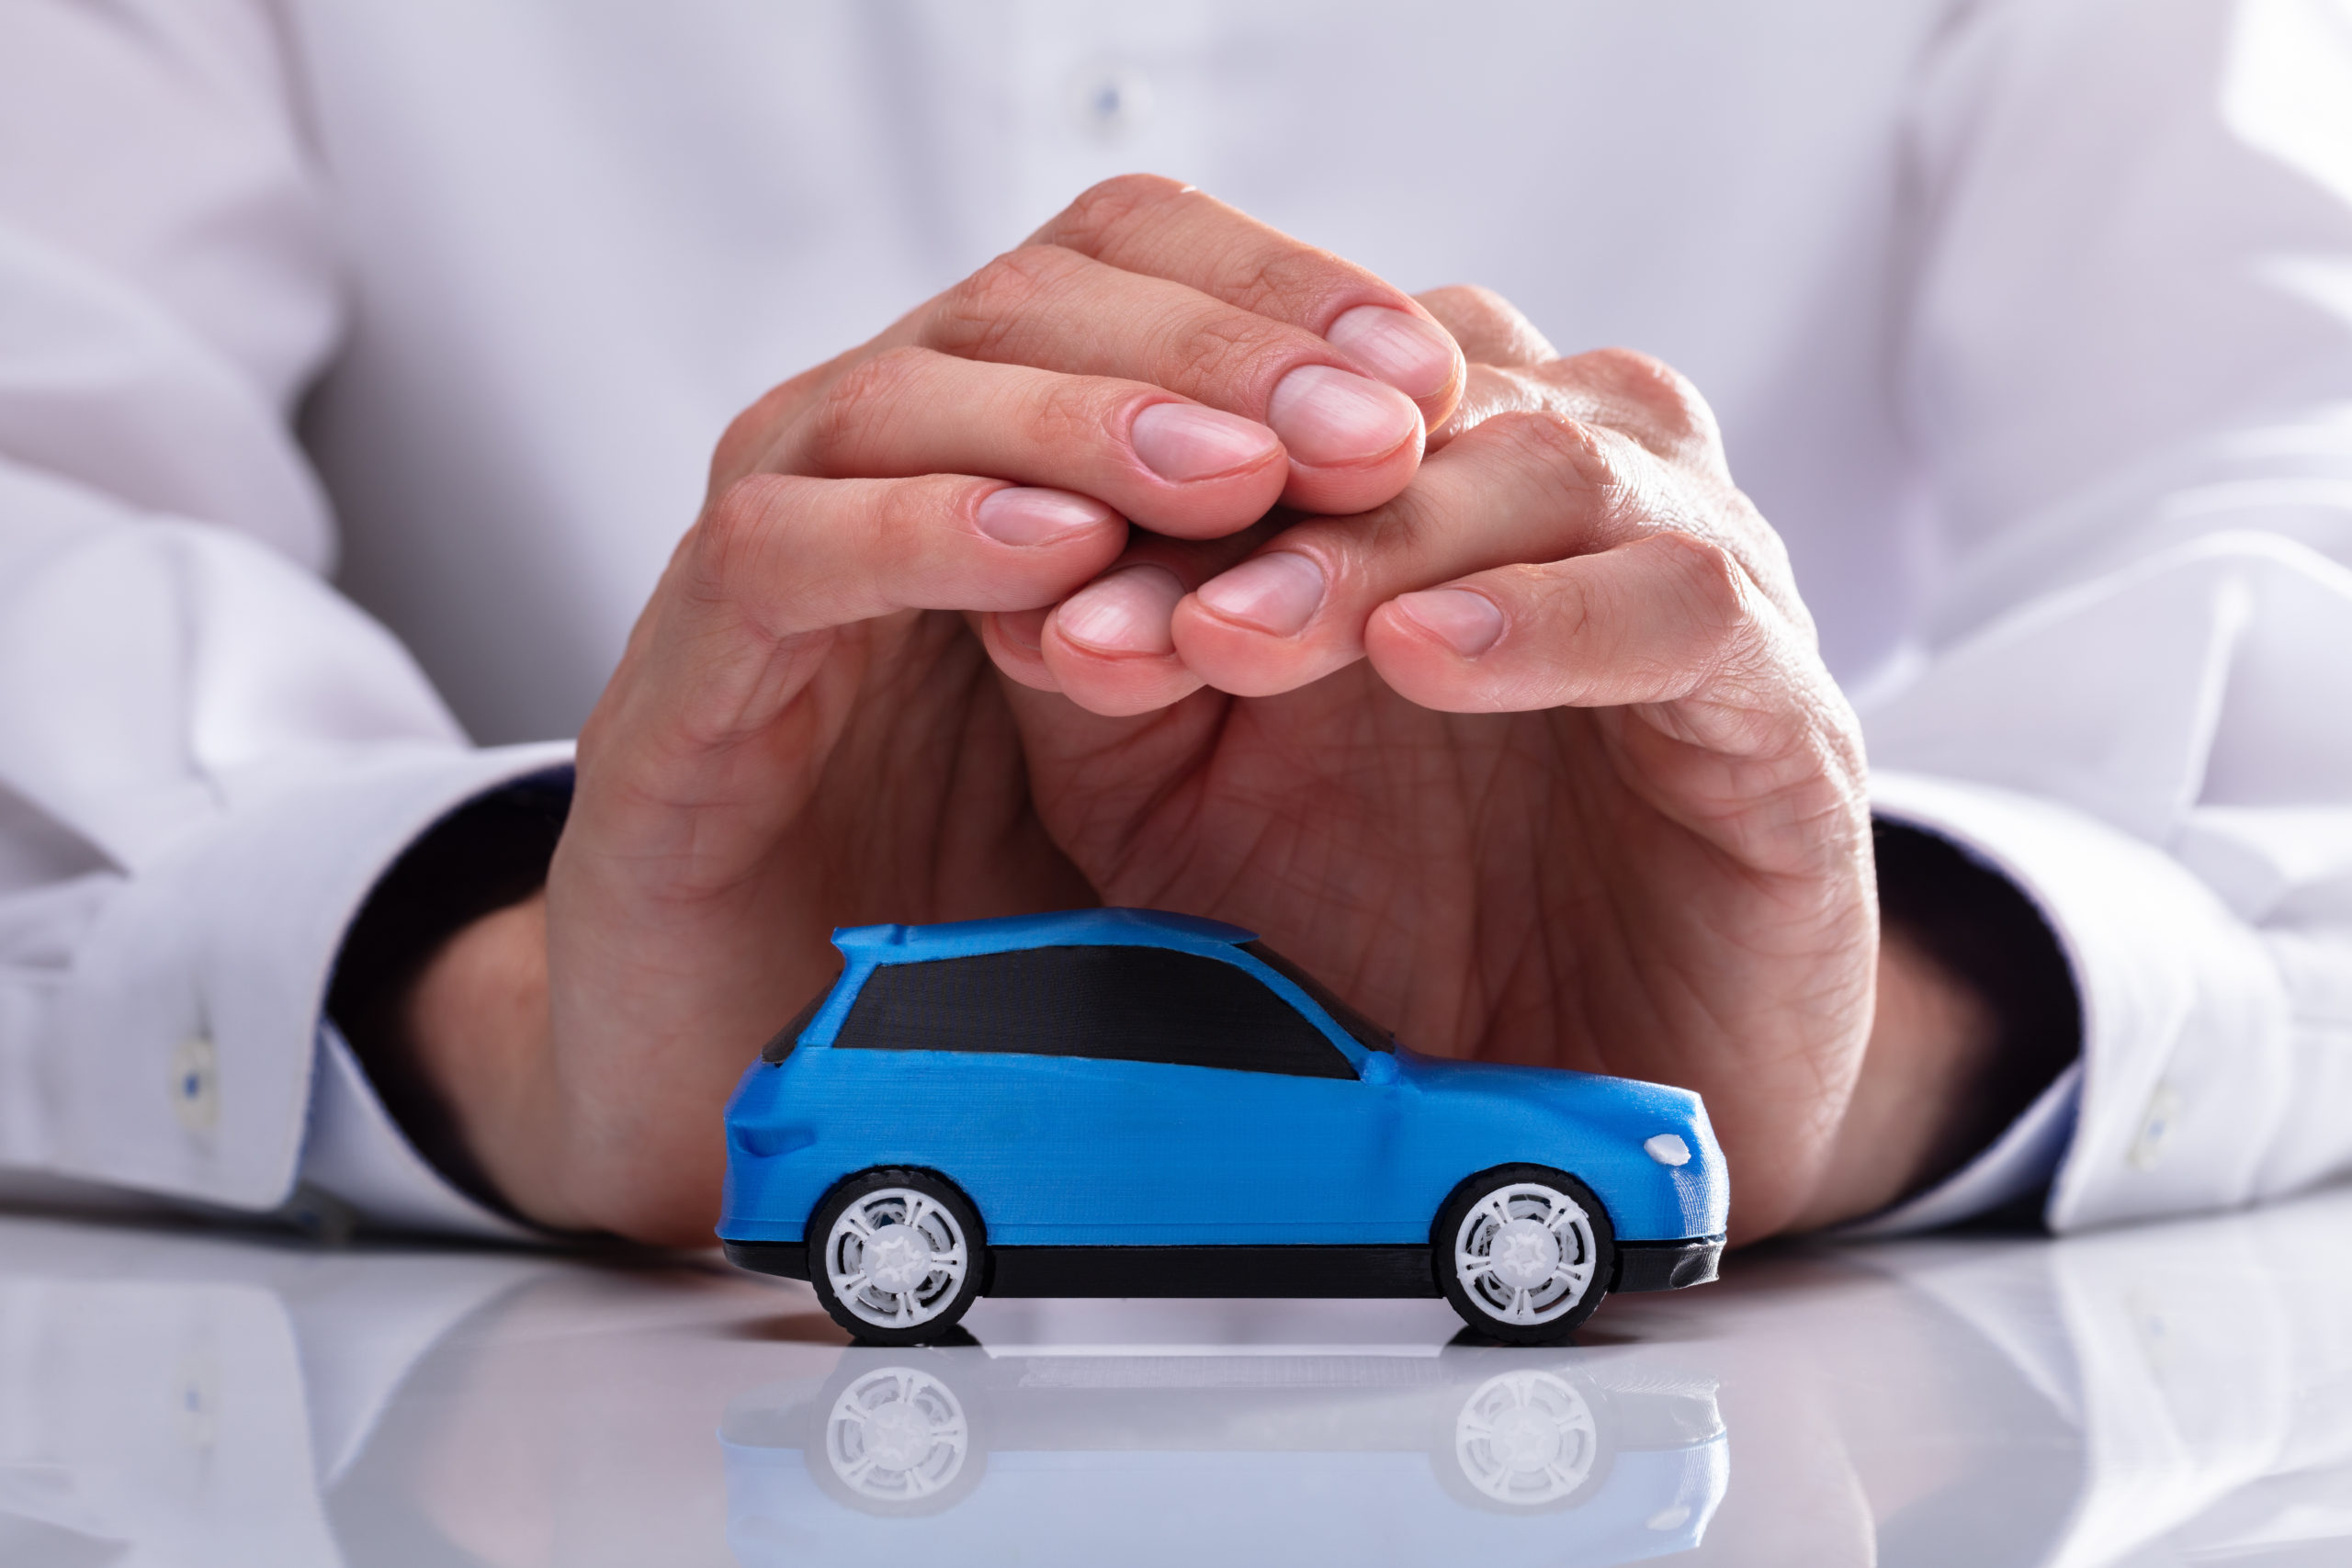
(1449, 873)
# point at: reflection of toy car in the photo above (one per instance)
(1500, 1455)
(1119, 1102)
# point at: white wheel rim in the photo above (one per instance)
(896, 1258)
(1524, 1253)
(897, 1435)
(1526, 1438)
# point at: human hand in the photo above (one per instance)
(799, 735)
(1667, 876)
(1538, 762)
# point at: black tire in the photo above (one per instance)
(900, 1433)
(927, 1311)
(1542, 1322)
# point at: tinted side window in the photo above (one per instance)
(1365, 1033)
(1127, 1004)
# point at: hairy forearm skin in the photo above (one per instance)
(477, 1021)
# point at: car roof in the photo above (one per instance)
(1070, 928)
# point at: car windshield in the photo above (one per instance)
(1365, 1033)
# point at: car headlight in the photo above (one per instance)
(1668, 1148)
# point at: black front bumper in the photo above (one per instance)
(789, 1259)
(1666, 1265)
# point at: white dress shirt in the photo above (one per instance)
(358, 367)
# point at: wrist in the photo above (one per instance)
(1976, 1014)
(477, 1023)
(435, 909)
(1913, 1111)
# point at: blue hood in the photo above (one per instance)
(1599, 1129)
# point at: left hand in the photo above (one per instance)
(1537, 762)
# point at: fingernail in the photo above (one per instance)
(1126, 611)
(1466, 622)
(1327, 416)
(1025, 516)
(1277, 594)
(1184, 442)
(1413, 356)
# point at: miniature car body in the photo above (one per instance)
(1125, 1102)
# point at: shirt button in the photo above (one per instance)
(1110, 102)
(198, 1389)
(2156, 1127)
(195, 1084)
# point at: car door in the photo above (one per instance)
(1227, 1118)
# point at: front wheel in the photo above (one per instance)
(892, 1435)
(896, 1255)
(1524, 1253)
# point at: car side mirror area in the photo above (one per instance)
(1379, 1068)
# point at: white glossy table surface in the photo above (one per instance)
(2175, 1394)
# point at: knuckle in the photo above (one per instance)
(752, 434)
(1075, 415)
(1286, 280)
(1571, 453)
(743, 441)
(1487, 323)
(902, 525)
(744, 435)
(1123, 196)
(1472, 301)
(735, 531)
(975, 315)
(1712, 590)
(1107, 206)
(1659, 404)
(858, 411)
(1213, 349)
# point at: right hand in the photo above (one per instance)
(802, 733)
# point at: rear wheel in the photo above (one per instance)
(1524, 1253)
(896, 1255)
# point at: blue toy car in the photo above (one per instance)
(1120, 1103)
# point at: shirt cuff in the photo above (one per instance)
(184, 1049)
(2185, 1072)
(357, 1155)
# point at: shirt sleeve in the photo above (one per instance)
(2129, 369)
(207, 756)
